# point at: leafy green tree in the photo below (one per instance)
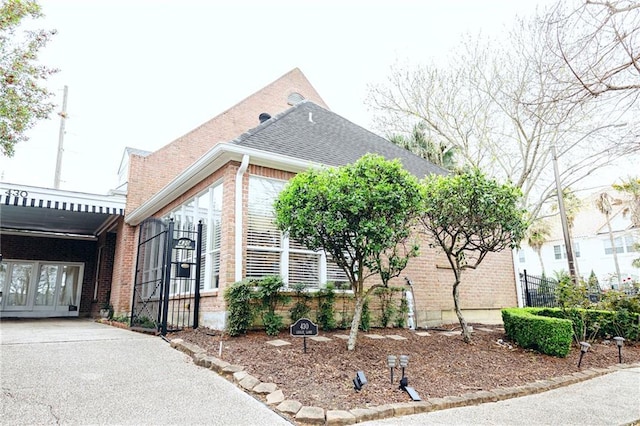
(23, 99)
(468, 217)
(361, 214)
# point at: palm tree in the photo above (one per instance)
(537, 235)
(418, 143)
(603, 203)
(631, 187)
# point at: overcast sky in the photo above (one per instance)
(142, 73)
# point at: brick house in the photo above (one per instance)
(226, 173)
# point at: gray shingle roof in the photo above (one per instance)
(310, 132)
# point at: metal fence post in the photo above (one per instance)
(526, 288)
(196, 302)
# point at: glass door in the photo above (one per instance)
(17, 287)
(40, 289)
(46, 288)
(69, 288)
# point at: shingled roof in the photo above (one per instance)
(309, 132)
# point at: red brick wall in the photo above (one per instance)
(108, 244)
(147, 175)
(124, 268)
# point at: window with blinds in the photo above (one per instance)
(264, 240)
(206, 207)
(271, 253)
(336, 275)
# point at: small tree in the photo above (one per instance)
(469, 216)
(361, 214)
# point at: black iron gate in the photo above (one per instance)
(166, 292)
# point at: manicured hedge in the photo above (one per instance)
(551, 336)
(600, 324)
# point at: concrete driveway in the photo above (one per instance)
(75, 371)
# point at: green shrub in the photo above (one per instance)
(326, 311)
(272, 323)
(269, 294)
(121, 318)
(551, 336)
(239, 308)
(345, 314)
(403, 310)
(597, 323)
(614, 300)
(387, 307)
(301, 308)
(365, 318)
(144, 322)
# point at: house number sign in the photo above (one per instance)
(184, 244)
(302, 328)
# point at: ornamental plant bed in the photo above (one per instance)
(440, 364)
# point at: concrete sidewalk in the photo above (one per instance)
(73, 371)
(611, 399)
(78, 371)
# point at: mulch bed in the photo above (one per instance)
(440, 364)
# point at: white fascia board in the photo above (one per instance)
(34, 196)
(206, 165)
(62, 195)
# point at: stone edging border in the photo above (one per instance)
(274, 397)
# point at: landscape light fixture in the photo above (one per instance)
(391, 363)
(404, 382)
(404, 362)
(359, 381)
(620, 342)
(584, 347)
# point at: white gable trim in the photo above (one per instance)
(206, 165)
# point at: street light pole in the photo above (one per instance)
(563, 218)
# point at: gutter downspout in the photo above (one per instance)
(238, 214)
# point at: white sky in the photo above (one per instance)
(142, 73)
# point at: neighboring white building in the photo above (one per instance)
(593, 250)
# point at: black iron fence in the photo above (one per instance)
(539, 292)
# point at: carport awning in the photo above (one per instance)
(54, 212)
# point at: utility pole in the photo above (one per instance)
(563, 218)
(63, 117)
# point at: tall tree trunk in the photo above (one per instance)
(539, 252)
(614, 251)
(355, 322)
(466, 335)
